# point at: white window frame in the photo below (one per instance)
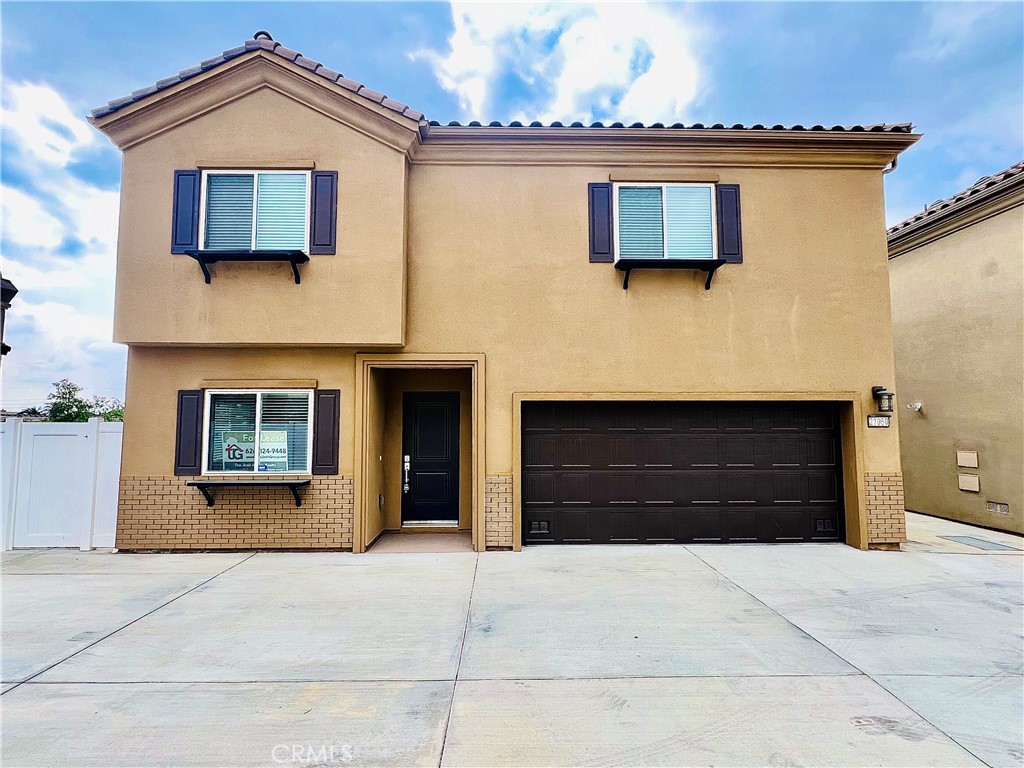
(254, 172)
(664, 215)
(207, 396)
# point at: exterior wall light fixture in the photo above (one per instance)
(884, 398)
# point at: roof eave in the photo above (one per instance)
(978, 207)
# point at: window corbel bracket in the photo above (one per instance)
(205, 258)
(708, 266)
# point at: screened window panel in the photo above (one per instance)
(232, 436)
(281, 211)
(641, 230)
(229, 204)
(284, 432)
(689, 230)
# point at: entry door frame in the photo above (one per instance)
(851, 437)
(365, 365)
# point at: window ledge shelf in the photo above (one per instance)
(205, 258)
(206, 487)
(710, 266)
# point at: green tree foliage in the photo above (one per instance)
(66, 403)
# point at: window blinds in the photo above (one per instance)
(281, 211)
(690, 233)
(232, 433)
(284, 423)
(229, 199)
(640, 223)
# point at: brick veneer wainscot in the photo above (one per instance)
(498, 511)
(887, 520)
(162, 512)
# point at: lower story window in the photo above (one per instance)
(249, 431)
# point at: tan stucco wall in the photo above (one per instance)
(498, 264)
(958, 324)
(491, 259)
(356, 295)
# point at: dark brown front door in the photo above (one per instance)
(430, 457)
(680, 472)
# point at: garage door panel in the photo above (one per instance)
(624, 527)
(539, 452)
(574, 488)
(693, 451)
(573, 452)
(657, 489)
(624, 472)
(578, 525)
(621, 451)
(538, 489)
(821, 451)
(738, 451)
(701, 524)
(784, 524)
(822, 488)
(787, 451)
(740, 525)
(738, 487)
(660, 525)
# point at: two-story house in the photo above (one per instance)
(539, 333)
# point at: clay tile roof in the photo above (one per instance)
(261, 41)
(1011, 176)
(264, 42)
(875, 128)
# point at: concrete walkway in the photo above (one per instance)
(700, 655)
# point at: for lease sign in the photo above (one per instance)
(240, 451)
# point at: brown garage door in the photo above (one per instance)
(663, 472)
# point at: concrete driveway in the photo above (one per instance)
(700, 655)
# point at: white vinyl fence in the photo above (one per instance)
(58, 483)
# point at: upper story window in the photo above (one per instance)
(255, 210)
(258, 431)
(665, 221)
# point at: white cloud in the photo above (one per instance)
(951, 27)
(26, 222)
(38, 119)
(624, 61)
(59, 236)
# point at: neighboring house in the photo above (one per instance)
(957, 274)
(427, 324)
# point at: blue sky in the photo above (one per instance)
(956, 70)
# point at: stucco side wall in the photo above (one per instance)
(958, 324)
(498, 264)
(355, 296)
(156, 374)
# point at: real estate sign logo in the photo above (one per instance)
(239, 451)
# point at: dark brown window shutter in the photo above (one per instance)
(185, 213)
(601, 223)
(323, 213)
(730, 236)
(326, 425)
(188, 441)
